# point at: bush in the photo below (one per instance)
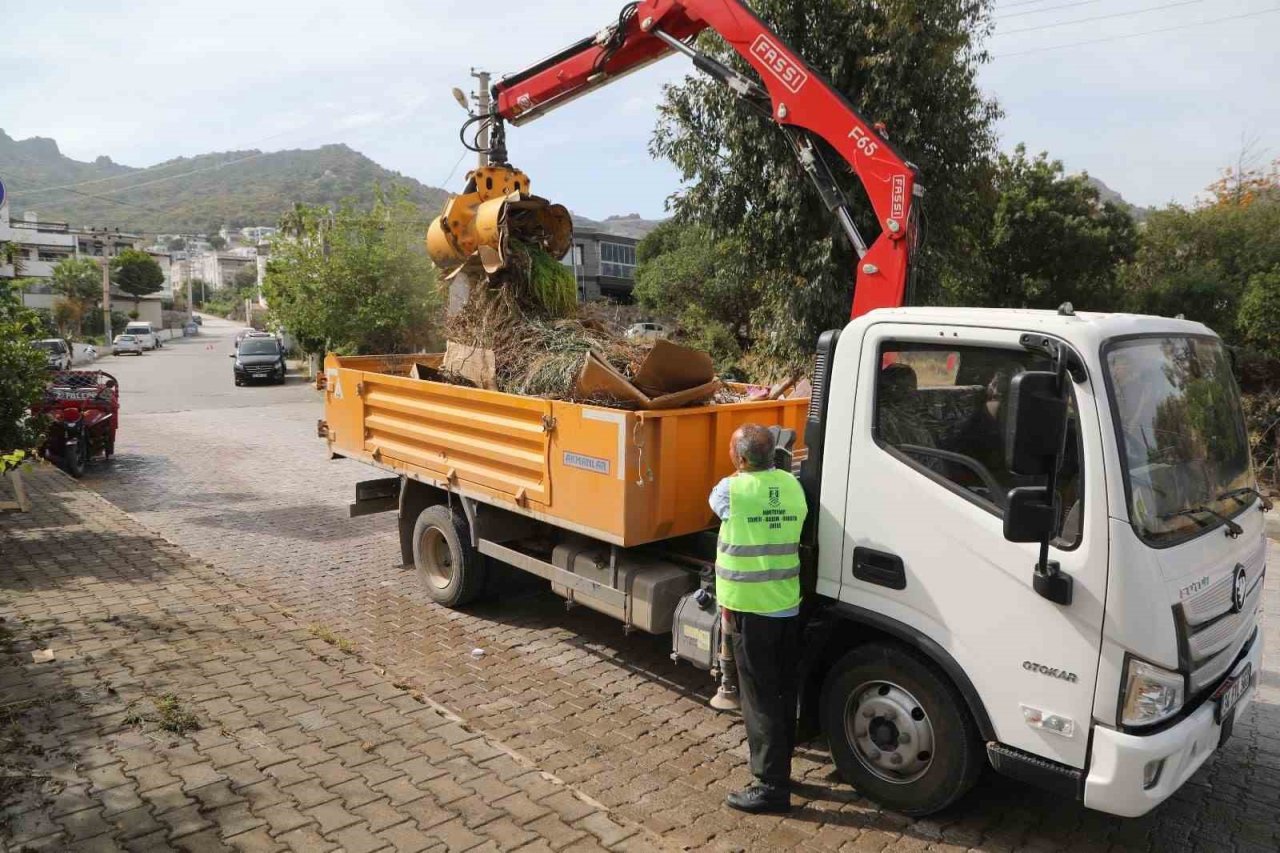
(22, 372)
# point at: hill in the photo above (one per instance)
(1139, 214)
(231, 188)
(630, 225)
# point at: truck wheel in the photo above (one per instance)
(75, 457)
(899, 730)
(451, 571)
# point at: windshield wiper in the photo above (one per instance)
(1238, 495)
(1233, 529)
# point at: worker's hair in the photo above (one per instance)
(754, 445)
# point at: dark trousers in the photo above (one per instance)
(767, 652)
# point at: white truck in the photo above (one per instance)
(1035, 538)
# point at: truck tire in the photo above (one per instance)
(899, 730)
(451, 571)
(75, 457)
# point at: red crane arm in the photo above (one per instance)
(798, 97)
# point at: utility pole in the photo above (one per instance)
(106, 289)
(482, 108)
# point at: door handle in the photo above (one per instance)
(879, 567)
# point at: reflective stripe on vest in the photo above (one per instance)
(758, 553)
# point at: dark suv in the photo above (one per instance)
(259, 358)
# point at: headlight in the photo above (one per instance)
(1151, 694)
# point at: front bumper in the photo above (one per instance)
(1118, 760)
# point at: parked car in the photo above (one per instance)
(259, 357)
(59, 354)
(144, 333)
(126, 343)
(646, 332)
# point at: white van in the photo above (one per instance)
(143, 332)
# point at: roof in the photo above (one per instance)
(1085, 328)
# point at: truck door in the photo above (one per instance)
(924, 539)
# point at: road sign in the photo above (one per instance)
(1, 193)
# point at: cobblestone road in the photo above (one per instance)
(176, 709)
(248, 488)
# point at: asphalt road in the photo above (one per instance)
(237, 477)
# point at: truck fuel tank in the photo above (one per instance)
(652, 587)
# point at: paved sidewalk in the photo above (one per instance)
(149, 703)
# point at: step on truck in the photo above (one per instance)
(1035, 539)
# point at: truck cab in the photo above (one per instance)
(1114, 696)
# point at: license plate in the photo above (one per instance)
(1230, 693)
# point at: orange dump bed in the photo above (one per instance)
(626, 477)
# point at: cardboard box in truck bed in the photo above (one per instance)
(625, 477)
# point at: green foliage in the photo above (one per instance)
(1259, 317)
(1199, 261)
(9, 461)
(687, 274)
(78, 279)
(66, 316)
(217, 242)
(354, 280)
(136, 273)
(225, 189)
(22, 372)
(909, 63)
(1052, 240)
(177, 244)
(246, 279)
(553, 285)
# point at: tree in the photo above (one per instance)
(688, 275)
(177, 244)
(1052, 238)
(1199, 261)
(909, 63)
(12, 255)
(217, 242)
(245, 280)
(354, 281)
(137, 274)
(79, 281)
(1259, 318)
(66, 316)
(22, 372)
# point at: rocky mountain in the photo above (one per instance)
(630, 225)
(1108, 194)
(225, 188)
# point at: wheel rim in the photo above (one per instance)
(891, 735)
(437, 558)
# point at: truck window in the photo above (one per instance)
(940, 409)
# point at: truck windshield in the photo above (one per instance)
(1182, 435)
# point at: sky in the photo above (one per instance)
(1153, 97)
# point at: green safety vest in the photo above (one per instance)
(758, 555)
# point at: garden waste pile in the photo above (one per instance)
(520, 331)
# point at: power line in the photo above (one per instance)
(1021, 3)
(1099, 18)
(68, 187)
(1136, 35)
(1046, 9)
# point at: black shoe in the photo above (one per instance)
(759, 799)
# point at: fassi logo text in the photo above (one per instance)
(779, 64)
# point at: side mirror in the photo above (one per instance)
(1036, 422)
(1034, 435)
(1029, 515)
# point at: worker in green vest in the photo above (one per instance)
(761, 510)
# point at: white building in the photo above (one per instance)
(43, 245)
